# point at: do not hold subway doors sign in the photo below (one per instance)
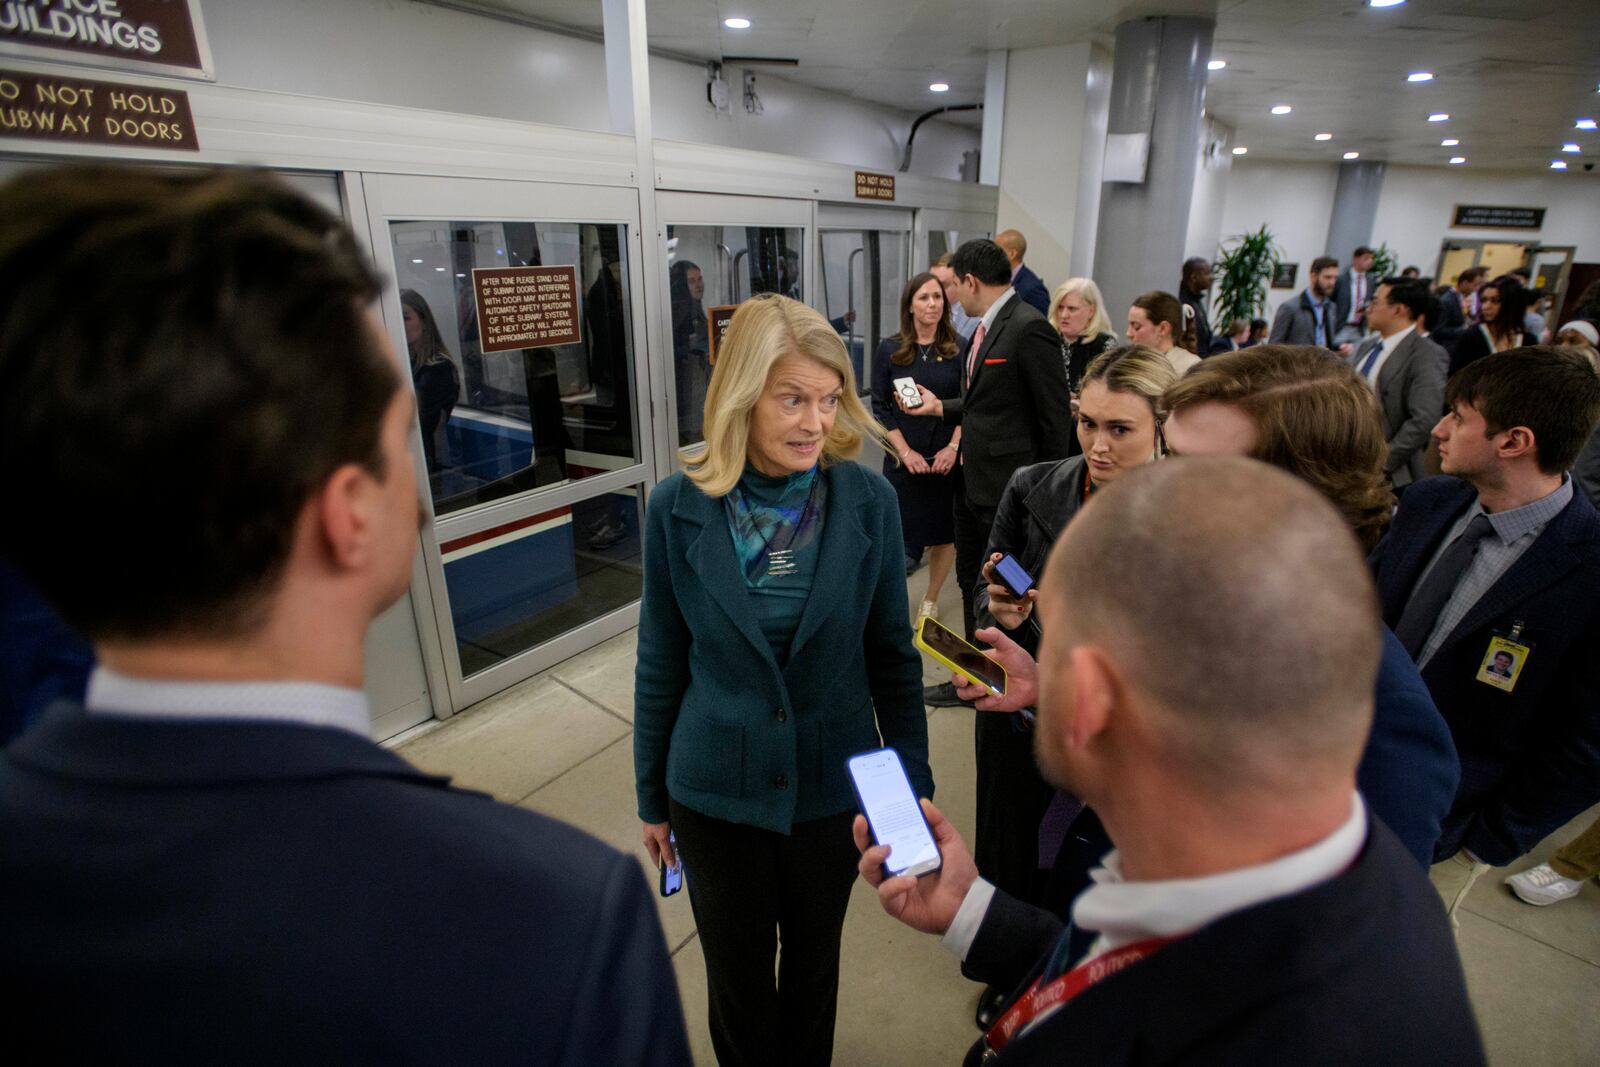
(79, 111)
(526, 307)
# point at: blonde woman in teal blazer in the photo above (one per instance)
(774, 643)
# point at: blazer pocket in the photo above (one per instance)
(710, 757)
(1009, 446)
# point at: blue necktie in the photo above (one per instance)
(1366, 367)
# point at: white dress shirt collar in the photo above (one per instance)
(306, 703)
(1386, 349)
(1123, 912)
(994, 309)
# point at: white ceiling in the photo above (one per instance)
(1513, 74)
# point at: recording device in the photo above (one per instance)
(1016, 580)
(907, 388)
(947, 647)
(893, 814)
(671, 877)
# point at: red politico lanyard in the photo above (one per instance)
(1058, 991)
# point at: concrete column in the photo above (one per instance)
(1158, 86)
(994, 118)
(1355, 208)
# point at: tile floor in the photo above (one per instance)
(561, 743)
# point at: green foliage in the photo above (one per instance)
(1384, 264)
(1245, 266)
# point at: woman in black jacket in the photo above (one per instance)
(1503, 305)
(1077, 311)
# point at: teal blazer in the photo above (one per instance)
(717, 724)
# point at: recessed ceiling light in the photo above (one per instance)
(1352, 155)
(1439, 116)
(1570, 147)
(1216, 64)
(416, 261)
(1420, 76)
(1385, 3)
(439, 269)
(1558, 164)
(1323, 137)
(1586, 124)
(736, 23)
(1458, 159)
(939, 87)
(1450, 142)
(1240, 150)
(1282, 109)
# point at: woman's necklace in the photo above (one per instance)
(780, 561)
(924, 351)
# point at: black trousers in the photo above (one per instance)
(752, 889)
(974, 523)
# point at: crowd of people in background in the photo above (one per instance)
(1311, 624)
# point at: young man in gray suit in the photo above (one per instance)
(1312, 318)
(1407, 371)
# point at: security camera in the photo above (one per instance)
(1588, 166)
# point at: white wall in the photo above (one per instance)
(1051, 149)
(1210, 189)
(1295, 201)
(413, 55)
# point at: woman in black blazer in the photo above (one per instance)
(1503, 305)
(773, 645)
(1077, 311)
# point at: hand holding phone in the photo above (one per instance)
(907, 389)
(671, 876)
(893, 814)
(949, 648)
(929, 903)
(1022, 676)
(1011, 591)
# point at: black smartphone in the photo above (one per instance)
(893, 813)
(1012, 576)
(671, 877)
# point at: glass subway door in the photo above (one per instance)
(863, 258)
(720, 251)
(513, 312)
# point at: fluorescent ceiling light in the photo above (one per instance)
(1216, 64)
(1323, 137)
(1385, 3)
(1570, 147)
(416, 261)
(1352, 155)
(1420, 76)
(1558, 164)
(1439, 116)
(736, 23)
(1240, 150)
(1586, 124)
(1450, 142)
(939, 87)
(1458, 159)
(1282, 109)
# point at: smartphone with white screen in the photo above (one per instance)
(892, 812)
(907, 388)
(671, 877)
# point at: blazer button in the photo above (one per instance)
(782, 782)
(781, 715)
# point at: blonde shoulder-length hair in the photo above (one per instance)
(1085, 288)
(765, 329)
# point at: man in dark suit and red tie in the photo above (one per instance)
(1252, 911)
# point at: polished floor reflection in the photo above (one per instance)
(561, 743)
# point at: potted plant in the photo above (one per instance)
(1384, 264)
(1245, 266)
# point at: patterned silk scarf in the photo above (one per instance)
(771, 520)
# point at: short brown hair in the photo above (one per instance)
(1552, 391)
(187, 357)
(1322, 263)
(1315, 418)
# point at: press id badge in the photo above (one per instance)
(1505, 659)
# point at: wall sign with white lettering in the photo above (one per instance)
(526, 307)
(154, 36)
(871, 186)
(1499, 218)
(43, 107)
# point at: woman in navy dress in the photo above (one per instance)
(929, 352)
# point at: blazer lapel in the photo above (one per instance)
(1000, 320)
(712, 557)
(1417, 551)
(844, 544)
(1545, 562)
(1395, 364)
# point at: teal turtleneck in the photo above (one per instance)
(776, 524)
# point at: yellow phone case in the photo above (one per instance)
(921, 642)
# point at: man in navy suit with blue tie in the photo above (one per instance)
(1252, 911)
(206, 860)
(1504, 557)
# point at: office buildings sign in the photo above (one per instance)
(155, 36)
(1499, 218)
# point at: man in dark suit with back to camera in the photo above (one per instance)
(1406, 371)
(1504, 556)
(1193, 288)
(1311, 318)
(1252, 912)
(1456, 312)
(1029, 286)
(207, 861)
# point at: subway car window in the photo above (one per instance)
(863, 273)
(712, 266)
(498, 423)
